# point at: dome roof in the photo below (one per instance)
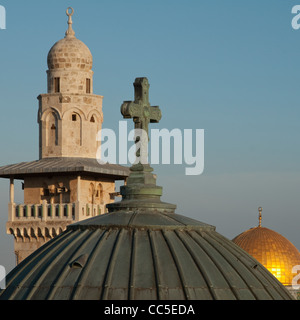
(272, 250)
(141, 255)
(141, 250)
(70, 53)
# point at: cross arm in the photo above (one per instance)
(155, 114)
(130, 110)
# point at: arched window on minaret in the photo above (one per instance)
(75, 130)
(51, 130)
(93, 129)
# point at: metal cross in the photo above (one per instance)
(140, 109)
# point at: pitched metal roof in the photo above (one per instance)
(62, 165)
(141, 255)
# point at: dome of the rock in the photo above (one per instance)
(272, 250)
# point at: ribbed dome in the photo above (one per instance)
(140, 250)
(272, 250)
(141, 255)
(70, 53)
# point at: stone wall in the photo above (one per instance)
(50, 189)
(72, 121)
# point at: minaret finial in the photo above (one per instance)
(70, 32)
(259, 217)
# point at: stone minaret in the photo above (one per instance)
(70, 115)
(67, 184)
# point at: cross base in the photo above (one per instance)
(141, 192)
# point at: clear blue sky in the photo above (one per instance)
(228, 67)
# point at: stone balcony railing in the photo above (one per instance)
(44, 212)
(32, 225)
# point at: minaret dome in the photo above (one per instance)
(70, 64)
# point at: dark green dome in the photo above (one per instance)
(141, 255)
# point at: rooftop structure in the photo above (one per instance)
(67, 184)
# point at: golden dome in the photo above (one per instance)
(272, 250)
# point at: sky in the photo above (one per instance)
(228, 67)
